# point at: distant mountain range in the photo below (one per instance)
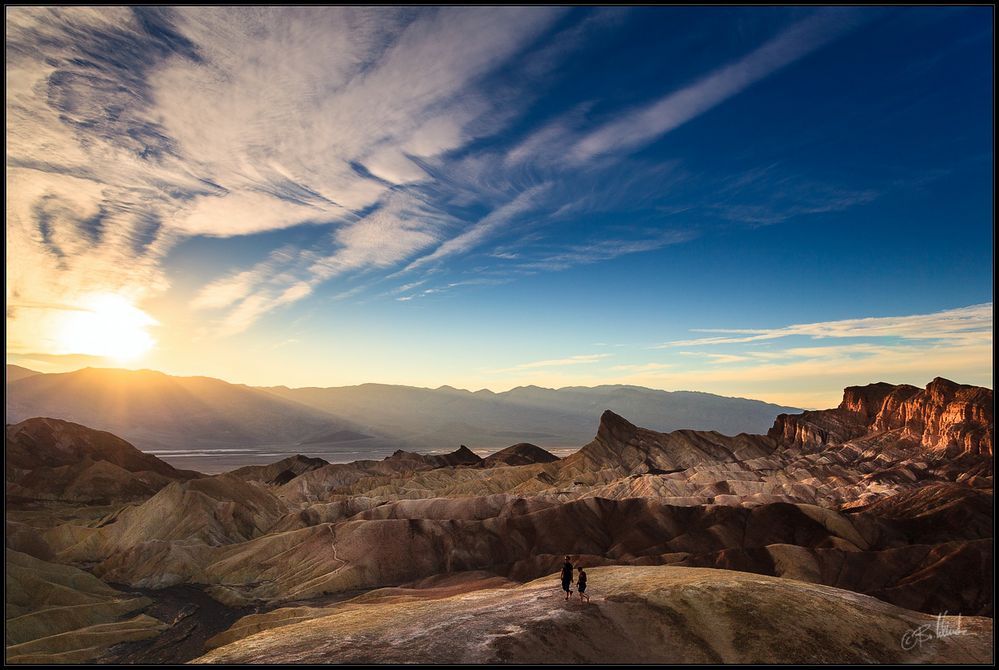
(155, 411)
(432, 418)
(159, 411)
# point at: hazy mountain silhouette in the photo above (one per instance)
(153, 409)
(547, 417)
(156, 410)
(15, 372)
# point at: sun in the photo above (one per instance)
(107, 325)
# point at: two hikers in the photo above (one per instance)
(567, 581)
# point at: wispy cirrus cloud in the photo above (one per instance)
(603, 250)
(243, 297)
(972, 324)
(912, 349)
(642, 368)
(476, 233)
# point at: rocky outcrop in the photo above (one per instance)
(319, 484)
(816, 429)
(281, 472)
(413, 461)
(888, 495)
(621, 449)
(50, 459)
(43, 442)
(518, 454)
(830, 458)
(210, 511)
(636, 615)
(945, 416)
(915, 559)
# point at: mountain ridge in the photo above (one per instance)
(198, 414)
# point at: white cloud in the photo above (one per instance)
(972, 325)
(139, 127)
(226, 121)
(315, 90)
(226, 290)
(602, 250)
(642, 368)
(476, 233)
(955, 343)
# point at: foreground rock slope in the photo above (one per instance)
(636, 615)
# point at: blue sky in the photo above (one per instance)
(488, 197)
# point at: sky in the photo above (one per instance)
(765, 202)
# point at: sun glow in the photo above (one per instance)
(107, 325)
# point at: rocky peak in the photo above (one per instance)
(622, 448)
(866, 401)
(615, 429)
(523, 453)
(461, 456)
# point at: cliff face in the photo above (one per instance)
(944, 416)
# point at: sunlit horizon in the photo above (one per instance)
(948, 344)
(769, 203)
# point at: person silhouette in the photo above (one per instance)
(582, 585)
(567, 578)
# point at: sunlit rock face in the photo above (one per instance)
(944, 416)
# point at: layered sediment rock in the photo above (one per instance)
(945, 416)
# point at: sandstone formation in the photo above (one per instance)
(523, 538)
(949, 417)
